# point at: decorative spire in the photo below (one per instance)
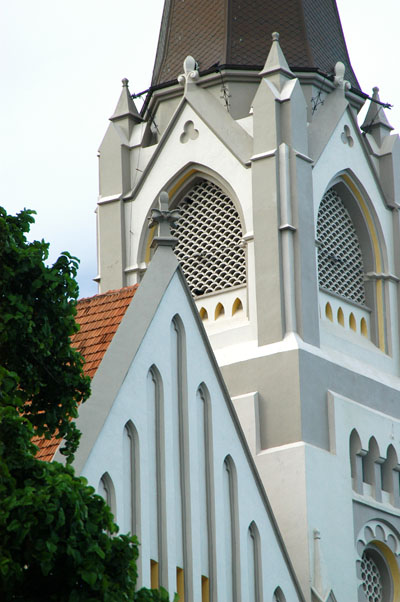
(276, 61)
(376, 122)
(320, 587)
(164, 218)
(125, 107)
(217, 35)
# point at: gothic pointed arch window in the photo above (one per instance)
(210, 246)
(340, 261)
(351, 257)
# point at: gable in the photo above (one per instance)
(205, 132)
(220, 135)
(343, 150)
(171, 446)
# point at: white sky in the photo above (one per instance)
(61, 67)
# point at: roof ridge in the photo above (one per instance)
(110, 292)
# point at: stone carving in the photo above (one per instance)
(163, 217)
(189, 132)
(339, 80)
(346, 137)
(191, 74)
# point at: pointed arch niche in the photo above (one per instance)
(107, 491)
(156, 480)
(254, 566)
(131, 468)
(231, 530)
(204, 481)
(352, 260)
(212, 246)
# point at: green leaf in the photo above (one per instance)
(90, 577)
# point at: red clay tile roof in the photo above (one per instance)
(99, 318)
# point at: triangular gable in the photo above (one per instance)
(191, 492)
(335, 125)
(214, 116)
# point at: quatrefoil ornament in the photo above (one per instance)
(346, 137)
(189, 132)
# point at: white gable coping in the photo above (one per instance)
(121, 352)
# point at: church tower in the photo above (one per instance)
(289, 240)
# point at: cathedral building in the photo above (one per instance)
(245, 417)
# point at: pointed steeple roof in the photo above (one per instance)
(276, 60)
(237, 33)
(375, 118)
(125, 107)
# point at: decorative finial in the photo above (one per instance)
(126, 109)
(164, 200)
(191, 73)
(276, 62)
(376, 122)
(164, 218)
(319, 587)
(339, 80)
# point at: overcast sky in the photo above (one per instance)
(61, 67)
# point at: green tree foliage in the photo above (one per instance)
(55, 533)
(38, 308)
(58, 540)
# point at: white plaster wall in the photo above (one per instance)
(329, 509)
(283, 472)
(130, 404)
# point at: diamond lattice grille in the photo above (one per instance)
(340, 266)
(371, 579)
(209, 240)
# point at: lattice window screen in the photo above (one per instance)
(371, 579)
(340, 265)
(209, 237)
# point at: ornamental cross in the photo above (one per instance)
(163, 217)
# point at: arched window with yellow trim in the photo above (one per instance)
(351, 260)
(340, 261)
(378, 553)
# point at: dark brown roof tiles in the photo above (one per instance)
(238, 33)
